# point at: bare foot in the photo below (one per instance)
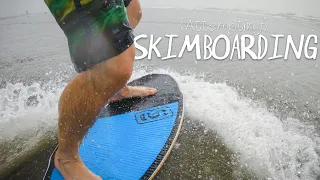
(134, 91)
(72, 168)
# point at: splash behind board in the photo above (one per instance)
(132, 138)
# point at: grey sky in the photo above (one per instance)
(298, 7)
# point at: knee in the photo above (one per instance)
(118, 68)
(134, 13)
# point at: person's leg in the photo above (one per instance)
(100, 44)
(134, 12)
(79, 105)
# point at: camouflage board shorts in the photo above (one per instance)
(96, 30)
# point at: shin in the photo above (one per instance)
(85, 95)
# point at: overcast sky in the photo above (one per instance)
(298, 7)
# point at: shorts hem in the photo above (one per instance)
(94, 58)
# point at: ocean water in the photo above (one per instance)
(295, 7)
(244, 119)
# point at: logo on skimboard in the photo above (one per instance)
(152, 115)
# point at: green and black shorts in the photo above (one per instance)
(96, 30)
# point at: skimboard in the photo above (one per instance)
(132, 138)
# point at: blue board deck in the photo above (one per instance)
(132, 138)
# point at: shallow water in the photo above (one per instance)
(244, 119)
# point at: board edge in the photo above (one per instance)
(50, 165)
(172, 145)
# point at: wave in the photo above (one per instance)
(268, 146)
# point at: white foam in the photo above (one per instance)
(26, 108)
(270, 147)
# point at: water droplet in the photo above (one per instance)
(177, 145)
